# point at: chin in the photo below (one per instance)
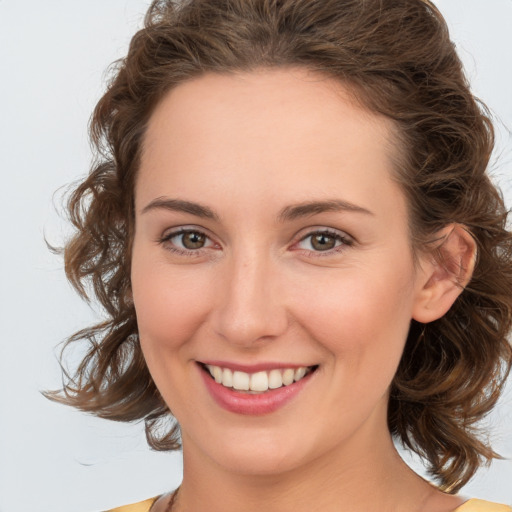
(260, 461)
(252, 452)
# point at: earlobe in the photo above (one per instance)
(446, 271)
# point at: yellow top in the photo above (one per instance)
(470, 506)
(482, 506)
(142, 506)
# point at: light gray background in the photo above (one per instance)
(52, 58)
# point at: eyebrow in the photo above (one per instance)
(307, 209)
(289, 213)
(179, 205)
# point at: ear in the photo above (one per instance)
(445, 271)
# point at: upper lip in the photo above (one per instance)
(253, 368)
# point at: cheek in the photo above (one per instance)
(362, 318)
(169, 305)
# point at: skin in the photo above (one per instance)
(248, 147)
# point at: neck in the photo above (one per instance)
(364, 474)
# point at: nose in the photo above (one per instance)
(250, 307)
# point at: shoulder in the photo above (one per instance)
(475, 505)
(141, 506)
(472, 505)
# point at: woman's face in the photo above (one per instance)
(271, 238)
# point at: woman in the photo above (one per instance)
(301, 255)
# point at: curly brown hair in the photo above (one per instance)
(398, 60)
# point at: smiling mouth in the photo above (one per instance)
(258, 382)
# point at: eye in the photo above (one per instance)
(192, 240)
(186, 240)
(324, 241)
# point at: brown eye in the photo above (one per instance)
(322, 242)
(193, 240)
(325, 241)
(187, 242)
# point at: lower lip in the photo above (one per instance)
(249, 404)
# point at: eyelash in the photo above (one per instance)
(166, 241)
(345, 241)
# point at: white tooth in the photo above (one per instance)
(275, 379)
(288, 376)
(227, 378)
(299, 373)
(259, 381)
(210, 369)
(217, 374)
(241, 381)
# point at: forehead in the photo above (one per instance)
(289, 131)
